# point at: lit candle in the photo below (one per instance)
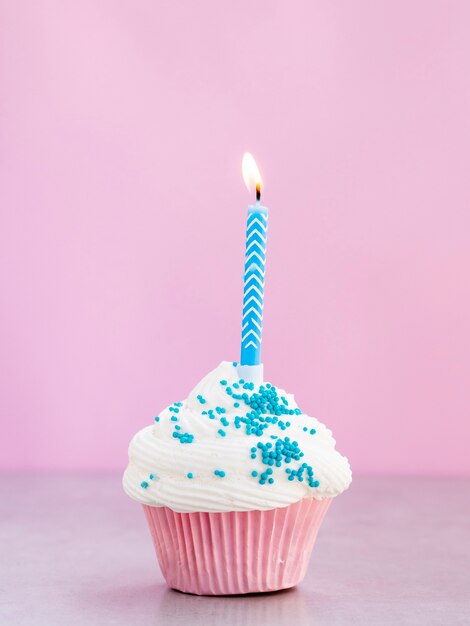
(255, 258)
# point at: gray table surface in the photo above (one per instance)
(74, 550)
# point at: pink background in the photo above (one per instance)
(123, 213)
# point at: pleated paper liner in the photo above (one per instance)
(235, 552)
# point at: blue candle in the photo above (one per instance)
(255, 258)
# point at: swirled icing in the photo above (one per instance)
(202, 454)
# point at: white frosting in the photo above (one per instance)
(155, 451)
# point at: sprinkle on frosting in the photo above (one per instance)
(183, 437)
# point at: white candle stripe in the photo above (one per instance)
(256, 250)
(255, 289)
(252, 321)
(254, 280)
(255, 255)
(256, 285)
(255, 232)
(256, 222)
(255, 272)
(252, 329)
(254, 244)
(249, 333)
(253, 299)
(253, 310)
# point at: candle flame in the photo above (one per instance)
(251, 174)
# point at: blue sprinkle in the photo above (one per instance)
(312, 431)
(221, 432)
(270, 481)
(220, 473)
(174, 418)
(157, 419)
(151, 476)
(144, 484)
(234, 364)
(236, 404)
(190, 475)
(183, 437)
(253, 456)
(305, 429)
(254, 473)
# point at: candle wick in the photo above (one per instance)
(258, 192)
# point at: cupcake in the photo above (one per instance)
(234, 482)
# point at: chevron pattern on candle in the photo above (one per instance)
(253, 292)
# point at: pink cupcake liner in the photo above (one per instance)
(235, 552)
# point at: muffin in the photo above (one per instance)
(234, 482)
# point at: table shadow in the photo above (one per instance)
(285, 607)
(158, 605)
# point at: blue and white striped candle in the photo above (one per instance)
(255, 259)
